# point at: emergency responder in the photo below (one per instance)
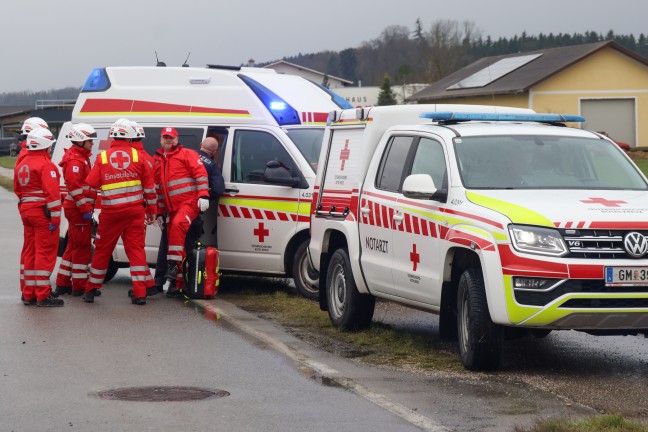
(208, 149)
(138, 145)
(27, 126)
(183, 184)
(78, 206)
(36, 184)
(127, 202)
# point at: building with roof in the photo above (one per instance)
(285, 67)
(604, 82)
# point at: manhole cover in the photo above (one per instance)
(161, 394)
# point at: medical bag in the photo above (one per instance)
(201, 273)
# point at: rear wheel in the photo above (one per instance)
(305, 276)
(480, 340)
(347, 308)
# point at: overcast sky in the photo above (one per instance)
(50, 44)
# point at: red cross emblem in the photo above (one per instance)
(344, 154)
(120, 160)
(603, 201)
(261, 232)
(414, 257)
(23, 175)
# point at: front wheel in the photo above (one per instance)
(347, 308)
(480, 340)
(305, 276)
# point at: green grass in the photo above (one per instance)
(606, 423)
(7, 162)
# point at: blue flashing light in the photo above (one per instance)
(463, 116)
(336, 98)
(97, 81)
(282, 112)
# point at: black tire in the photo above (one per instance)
(480, 340)
(347, 308)
(448, 313)
(112, 270)
(305, 277)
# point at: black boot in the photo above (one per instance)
(151, 291)
(90, 295)
(172, 271)
(50, 302)
(140, 301)
(60, 290)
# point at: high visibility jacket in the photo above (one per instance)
(23, 151)
(76, 167)
(181, 178)
(139, 146)
(123, 177)
(36, 183)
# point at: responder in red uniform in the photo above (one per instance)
(183, 185)
(36, 184)
(27, 126)
(127, 202)
(78, 206)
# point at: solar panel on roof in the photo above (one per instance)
(491, 73)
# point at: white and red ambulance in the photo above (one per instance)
(501, 221)
(260, 117)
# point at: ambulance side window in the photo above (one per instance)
(251, 151)
(429, 159)
(390, 174)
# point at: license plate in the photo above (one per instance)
(626, 275)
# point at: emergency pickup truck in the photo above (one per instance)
(270, 129)
(503, 222)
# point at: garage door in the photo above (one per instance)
(614, 116)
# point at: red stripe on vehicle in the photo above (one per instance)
(235, 212)
(584, 271)
(270, 215)
(223, 210)
(283, 217)
(246, 213)
(515, 265)
(257, 214)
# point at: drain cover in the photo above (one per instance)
(161, 394)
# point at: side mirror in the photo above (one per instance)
(276, 173)
(421, 186)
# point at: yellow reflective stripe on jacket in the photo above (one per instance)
(128, 183)
(104, 158)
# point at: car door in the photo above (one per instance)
(380, 194)
(256, 219)
(416, 265)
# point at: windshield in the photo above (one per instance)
(544, 162)
(309, 143)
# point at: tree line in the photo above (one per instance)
(406, 56)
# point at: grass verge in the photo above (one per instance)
(7, 162)
(606, 423)
(6, 183)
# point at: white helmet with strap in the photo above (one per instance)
(33, 123)
(40, 139)
(82, 132)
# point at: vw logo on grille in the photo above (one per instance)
(635, 244)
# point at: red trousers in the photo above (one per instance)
(179, 223)
(129, 224)
(73, 269)
(40, 256)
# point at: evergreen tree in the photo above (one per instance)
(386, 95)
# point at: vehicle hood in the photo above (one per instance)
(567, 208)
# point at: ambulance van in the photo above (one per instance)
(505, 223)
(262, 119)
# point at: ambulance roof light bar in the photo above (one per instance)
(97, 81)
(281, 110)
(465, 116)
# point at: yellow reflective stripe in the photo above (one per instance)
(104, 158)
(516, 213)
(121, 184)
(135, 155)
(282, 206)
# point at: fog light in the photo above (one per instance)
(532, 283)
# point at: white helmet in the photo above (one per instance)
(139, 130)
(33, 123)
(82, 132)
(123, 128)
(40, 139)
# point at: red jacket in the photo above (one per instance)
(36, 183)
(23, 151)
(123, 177)
(76, 167)
(180, 177)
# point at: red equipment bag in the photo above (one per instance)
(202, 273)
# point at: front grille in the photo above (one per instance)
(622, 303)
(596, 244)
(536, 298)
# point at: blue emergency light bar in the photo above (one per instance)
(464, 116)
(281, 110)
(97, 81)
(336, 98)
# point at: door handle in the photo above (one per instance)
(232, 190)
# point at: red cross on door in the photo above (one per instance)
(344, 154)
(414, 257)
(119, 160)
(23, 175)
(603, 201)
(261, 232)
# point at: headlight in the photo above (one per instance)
(536, 240)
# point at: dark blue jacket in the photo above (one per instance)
(216, 181)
